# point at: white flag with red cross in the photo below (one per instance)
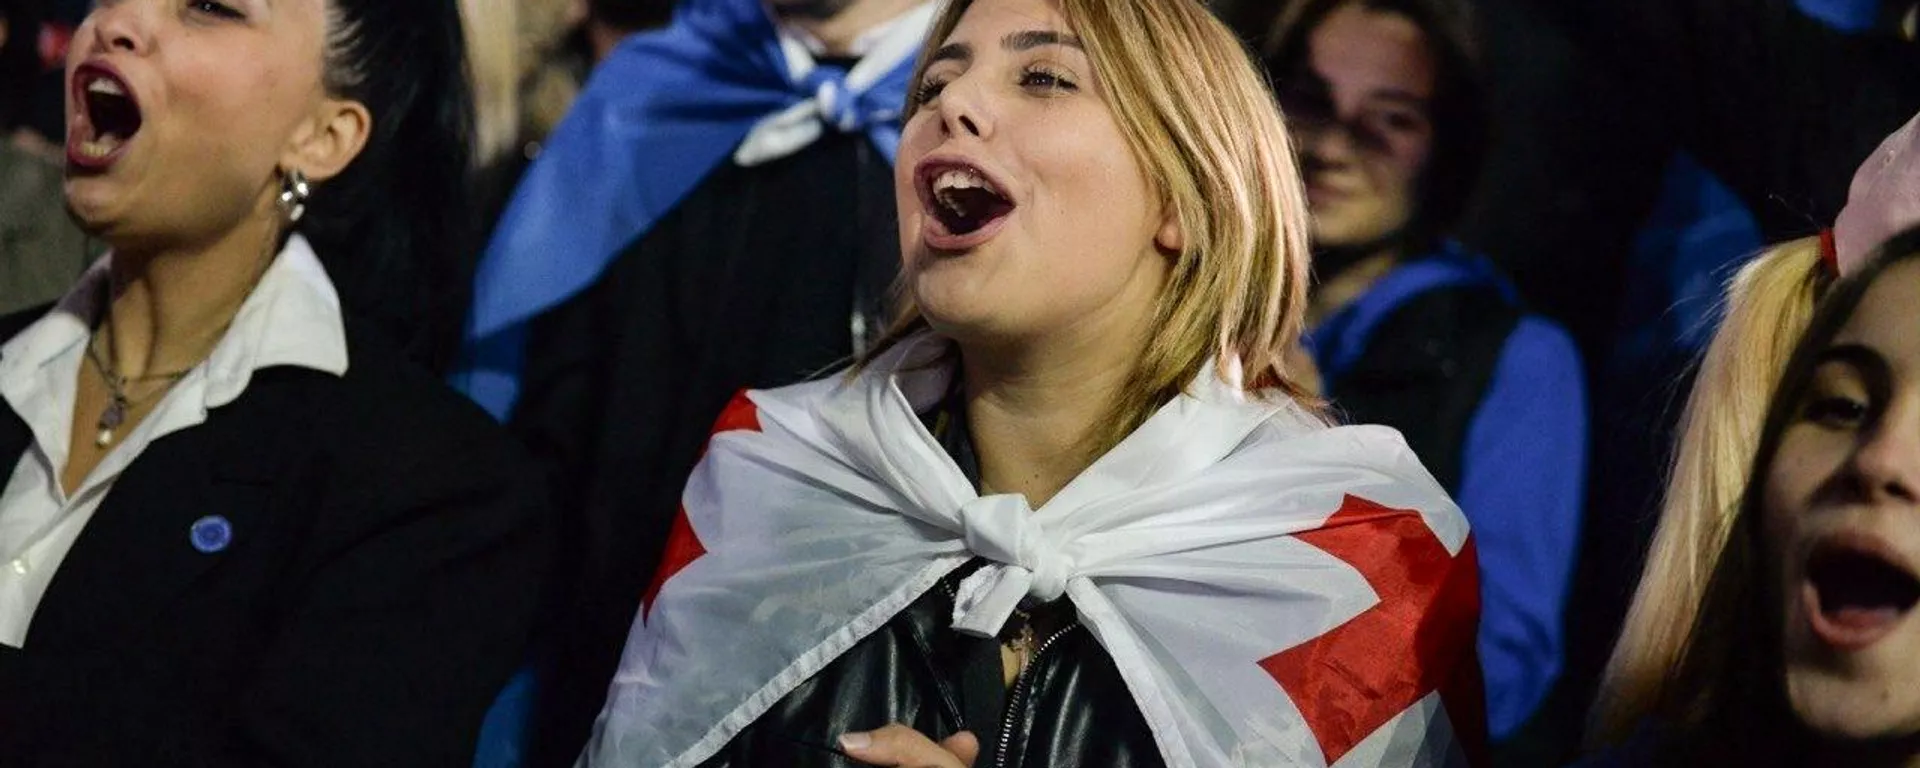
(1275, 592)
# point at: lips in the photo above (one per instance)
(1856, 590)
(106, 117)
(964, 205)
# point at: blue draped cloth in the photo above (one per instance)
(660, 114)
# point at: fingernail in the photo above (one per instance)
(854, 742)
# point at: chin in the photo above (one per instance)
(91, 207)
(1846, 707)
(1351, 226)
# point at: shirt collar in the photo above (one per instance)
(292, 317)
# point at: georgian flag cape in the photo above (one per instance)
(1275, 592)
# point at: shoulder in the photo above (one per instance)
(12, 324)
(1542, 346)
(390, 420)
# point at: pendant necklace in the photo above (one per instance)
(120, 404)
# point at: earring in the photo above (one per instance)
(294, 191)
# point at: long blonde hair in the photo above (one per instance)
(492, 29)
(1768, 305)
(508, 42)
(1202, 123)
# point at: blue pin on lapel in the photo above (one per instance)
(211, 534)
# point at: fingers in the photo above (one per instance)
(903, 747)
(964, 746)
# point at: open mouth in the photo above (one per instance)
(1857, 592)
(109, 117)
(962, 198)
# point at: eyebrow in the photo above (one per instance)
(1860, 357)
(1400, 97)
(1015, 42)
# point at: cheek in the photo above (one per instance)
(1807, 457)
(1398, 169)
(1093, 188)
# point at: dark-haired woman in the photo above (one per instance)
(1414, 331)
(239, 527)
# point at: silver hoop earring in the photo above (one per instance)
(294, 191)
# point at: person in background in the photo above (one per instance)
(610, 21)
(1802, 652)
(716, 212)
(1414, 331)
(240, 527)
(1768, 307)
(1073, 510)
(41, 251)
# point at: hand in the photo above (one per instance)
(902, 747)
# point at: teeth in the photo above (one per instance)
(953, 180)
(100, 147)
(105, 85)
(959, 179)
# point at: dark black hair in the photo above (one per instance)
(1728, 695)
(19, 58)
(391, 228)
(1458, 108)
(631, 14)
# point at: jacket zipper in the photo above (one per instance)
(1022, 686)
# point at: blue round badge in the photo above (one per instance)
(211, 534)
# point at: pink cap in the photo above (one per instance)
(1884, 198)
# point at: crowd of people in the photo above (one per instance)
(958, 383)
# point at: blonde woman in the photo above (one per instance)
(1072, 510)
(1769, 304)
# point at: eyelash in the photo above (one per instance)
(1835, 411)
(930, 89)
(215, 9)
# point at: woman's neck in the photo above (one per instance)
(1891, 753)
(170, 305)
(1346, 279)
(1032, 413)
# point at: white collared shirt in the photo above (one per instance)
(292, 317)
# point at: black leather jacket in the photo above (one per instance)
(1069, 707)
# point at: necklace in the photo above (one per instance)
(120, 404)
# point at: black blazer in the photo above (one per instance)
(387, 556)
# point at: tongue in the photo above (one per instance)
(1861, 618)
(1863, 591)
(976, 207)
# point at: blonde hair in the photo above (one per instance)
(1768, 305)
(1201, 121)
(492, 29)
(508, 42)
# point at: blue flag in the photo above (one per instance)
(660, 114)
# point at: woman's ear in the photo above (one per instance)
(326, 144)
(1172, 237)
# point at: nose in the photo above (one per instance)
(121, 25)
(1327, 143)
(963, 109)
(1887, 461)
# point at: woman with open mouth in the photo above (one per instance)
(1073, 509)
(1804, 651)
(239, 527)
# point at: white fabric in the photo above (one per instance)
(1176, 548)
(292, 318)
(881, 50)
